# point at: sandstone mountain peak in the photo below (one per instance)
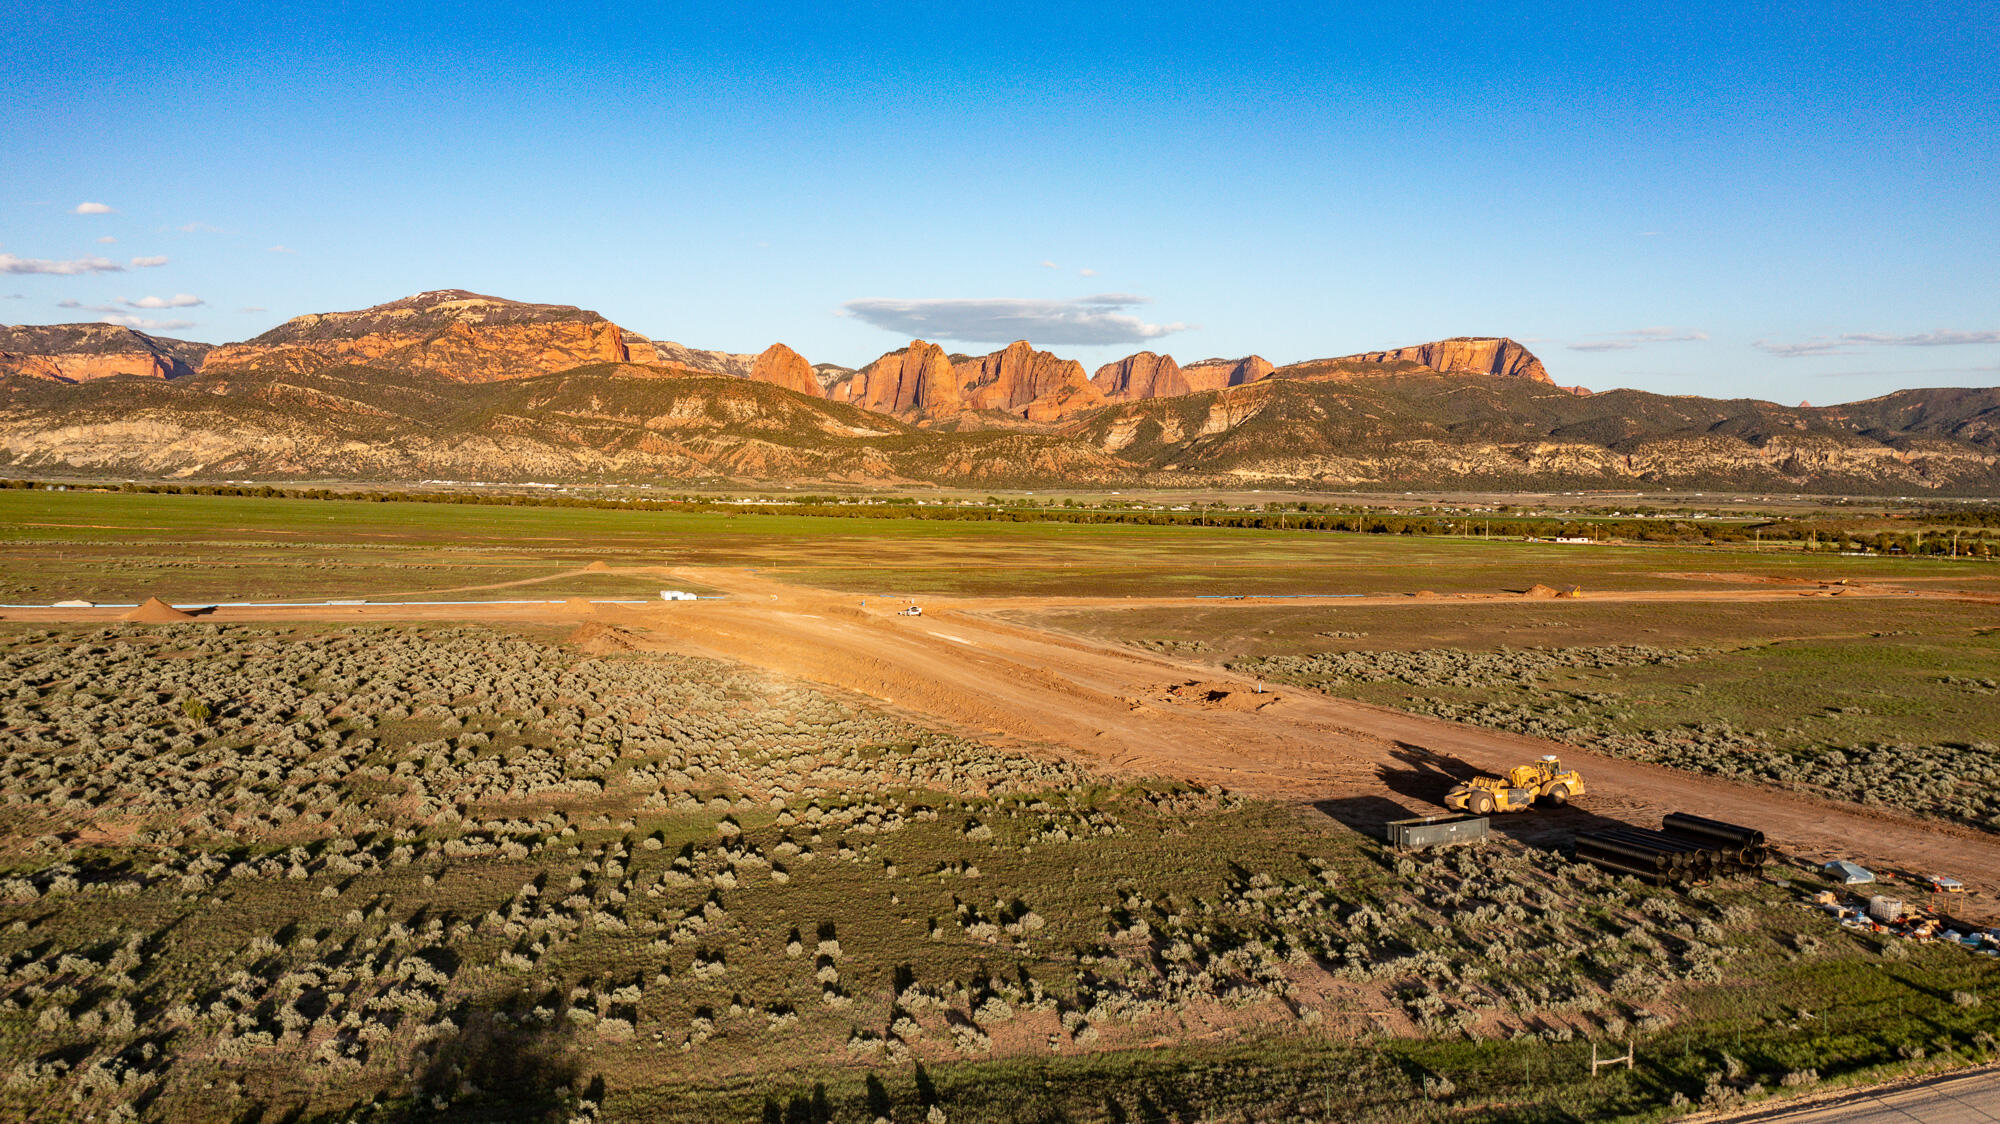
(914, 380)
(82, 352)
(1473, 355)
(781, 366)
(1013, 378)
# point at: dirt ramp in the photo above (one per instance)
(156, 611)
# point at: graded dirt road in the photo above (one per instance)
(1141, 713)
(1965, 1098)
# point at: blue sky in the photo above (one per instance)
(1790, 202)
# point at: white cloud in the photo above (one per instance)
(1082, 322)
(253, 308)
(1923, 339)
(107, 240)
(178, 300)
(1050, 265)
(197, 228)
(129, 321)
(282, 250)
(14, 297)
(93, 209)
(1086, 273)
(11, 264)
(1851, 343)
(1631, 338)
(149, 263)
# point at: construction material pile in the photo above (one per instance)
(1686, 849)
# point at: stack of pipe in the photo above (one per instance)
(1691, 849)
(1741, 849)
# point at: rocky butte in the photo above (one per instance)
(83, 352)
(459, 335)
(781, 366)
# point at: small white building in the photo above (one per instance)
(676, 595)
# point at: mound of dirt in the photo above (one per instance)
(156, 611)
(1426, 593)
(597, 567)
(1540, 590)
(1216, 696)
(599, 639)
(579, 605)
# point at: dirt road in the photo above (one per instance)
(1142, 713)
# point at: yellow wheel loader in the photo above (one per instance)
(1543, 779)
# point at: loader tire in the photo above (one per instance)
(1559, 795)
(1480, 804)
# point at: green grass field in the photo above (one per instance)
(112, 546)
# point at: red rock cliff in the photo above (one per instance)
(1144, 375)
(1017, 375)
(917, 379)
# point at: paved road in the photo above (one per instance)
(1972, 1098)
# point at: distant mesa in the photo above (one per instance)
(459, 335)
(670, 354)
(86, 352)
(1472, 355)
(1218, 374)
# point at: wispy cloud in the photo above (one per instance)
(1086, 273)
(11, 264)
(253, 308)
(107, 240)
(1050, 265)
(1851, 343)
(14, 297)
(149, 263)
(198, 228)
(127, 320)
(1630, 338)
(281, 250)
(1081, 322)
(178, 300)
(93, 209)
